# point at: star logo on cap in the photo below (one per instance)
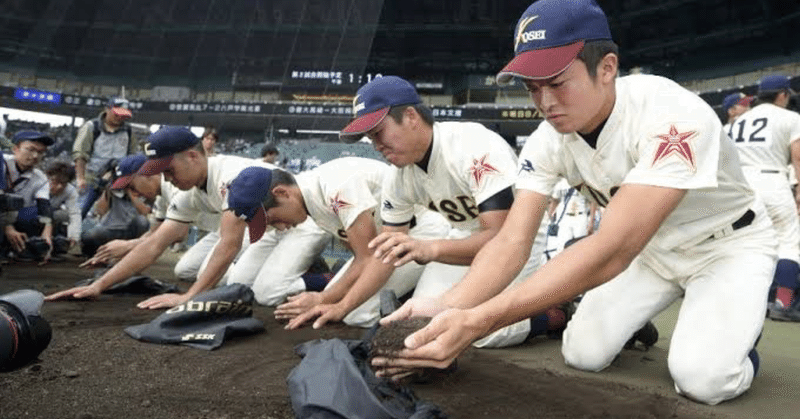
(523, 24)
(675, 143)
(337, 204)
(480, 168)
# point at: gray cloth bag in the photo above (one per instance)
(205, 321)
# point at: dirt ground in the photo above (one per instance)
(92, 369)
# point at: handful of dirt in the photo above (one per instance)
(388, 340)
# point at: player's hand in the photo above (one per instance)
(434, 346)
(399, 248)
(323, 313)
(297, 305)
(164, 301)
(115, 249)
(416, 307)
(16, 238)
(88, 292)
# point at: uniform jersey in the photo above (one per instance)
(643, 142)
(468, 165)
(192, 205)
(763, 136)
(337, 192)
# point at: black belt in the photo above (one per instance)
(770, 171)
(743, 221)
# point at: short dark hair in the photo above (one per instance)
(279, 177)
(210, 130)
(64, 172)
(396, 112)
(767, 97)
(594, 51)
(269, 149)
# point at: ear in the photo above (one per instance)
(608, 67)
(280, 191)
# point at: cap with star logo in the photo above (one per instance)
(162, 145)
(549, 36)
(246, 196)
(372, 104)
(127, 169)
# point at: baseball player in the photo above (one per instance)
(203, 182)
(460, 169)
(342, 197)
(734, 105)
(680, 219)
(156, 189)
(767, 140)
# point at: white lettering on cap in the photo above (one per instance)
(147, 151)
(357, 106)
(522, 34)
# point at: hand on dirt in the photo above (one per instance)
(163, 301)
(435, 346)
(398, 249)
(297, 305)
(16, 238)
(88, 292)
(323, 312)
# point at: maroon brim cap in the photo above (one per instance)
(122, 182)
(356, 129)
(539, 64)
(155, 166)
(258, 225)
(122, 112)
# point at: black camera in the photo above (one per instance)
(24, 334)
(10, 202)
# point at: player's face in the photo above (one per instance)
(394, 140)
(185, 170)
(288, 213)
(573, 101)
(27, 154)
(147, 186)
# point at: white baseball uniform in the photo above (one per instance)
(468, 165)
(763, 137)
(662, 135)
(203, 206)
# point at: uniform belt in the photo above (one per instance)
(743, 221)
(772, 171)
(575, 213)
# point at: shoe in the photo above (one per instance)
(647, 335)
(777, 312)
(569, 309)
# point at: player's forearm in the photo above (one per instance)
(494, 267)
(374, 277)
(218, 263)
(134, 262)
(47, 231)
(461, 251)
(338, 289)
(80, 168)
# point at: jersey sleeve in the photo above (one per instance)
(349, 199)
(539, 169)
(682, 153)
(182, 207)
(491, 164)
(398, 205)
(793, 127)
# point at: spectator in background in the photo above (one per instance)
(101, 141)
(25, 180)
(269, 154)
(4, 142)
(64, 203)
(122, 214)
(210, 138)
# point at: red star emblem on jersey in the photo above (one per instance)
(480, 168)
(675, 143)
(337, 204)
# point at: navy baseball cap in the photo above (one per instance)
(37, 136)
(120, 107)
(127, 169)
(372, 104)
(736, 99)
(549, 36)
(246, 196)
(162, 145)
(774, 83)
